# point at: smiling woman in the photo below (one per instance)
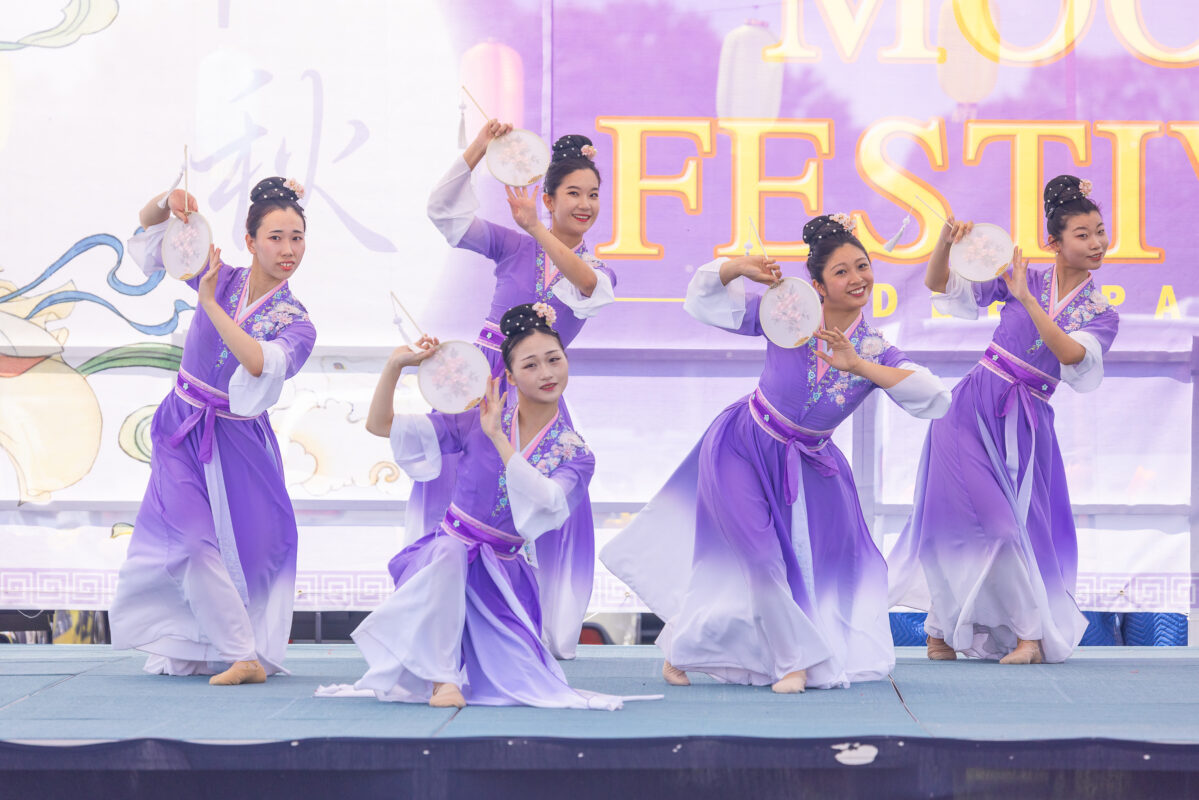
(990, 550)
(755, 553)
(552, 268)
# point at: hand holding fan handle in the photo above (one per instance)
(758, 238)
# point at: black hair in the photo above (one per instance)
(268, 195)
(519, 323)
(1065, 197)
(823, 235)
(568, 157)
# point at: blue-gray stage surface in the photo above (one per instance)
(87, 711)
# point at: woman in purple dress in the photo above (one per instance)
(990, 549)
(755, 552)
(208, 583)
(463, 623)
(539, 265)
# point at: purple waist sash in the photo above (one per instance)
(471, 531)
(490, 337)
(209, 403)
(799, 441)
(1025, 382)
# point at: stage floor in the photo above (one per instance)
(76, 694)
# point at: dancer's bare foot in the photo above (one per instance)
(939, 651)
(791, 683)
(447, 695)
(241, 672)
(1027, 652)
(674, 676)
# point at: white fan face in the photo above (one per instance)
(185, 246)
(518, 158)
(790, 312)
(454, 379)
(982, 254)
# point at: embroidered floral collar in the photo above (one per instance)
(548, 275)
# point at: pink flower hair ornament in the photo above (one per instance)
(845, 221)
(295, 186)
(588, 150)
(546, 312)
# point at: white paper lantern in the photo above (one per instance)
(747, 85)
(965, 74)
(495, 75)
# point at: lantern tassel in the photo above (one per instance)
(462, 125)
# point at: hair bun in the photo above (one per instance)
(1064, 189)
(573, 145)
(276, 188)
(827, 225)
(523, 317)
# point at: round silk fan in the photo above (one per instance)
(790, 312)
(185, 246)
(518, 158)
(454, 379)
(982, 254)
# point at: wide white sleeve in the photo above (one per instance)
(452, 203)
(250, 396)
(414, 446)
(145, 248)
(921, 394)
(586, 307)
(713, 303)
(958, 300)
(538, 503)
(1086, 375)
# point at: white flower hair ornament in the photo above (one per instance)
(546, 312)
(845, 221)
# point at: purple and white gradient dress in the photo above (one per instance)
(755, 552)
(524, 274)
(990, 549)
(210, 574)
(465, 609)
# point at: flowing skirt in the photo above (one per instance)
(210, 573)
(565, 557)
(990, 549)
(750, 587)
(461, 615)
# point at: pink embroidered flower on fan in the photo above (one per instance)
(588, 151)
(790, 309)
(845, 221)
(980, 249)
(295, 186)
(451, 374)
(546, 312)
(186, 243)
(1084, 186)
